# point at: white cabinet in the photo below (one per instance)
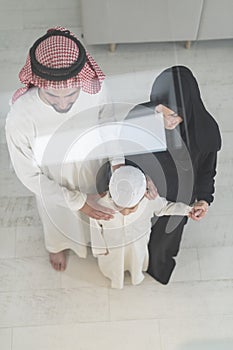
(216, 20)
(127, 21)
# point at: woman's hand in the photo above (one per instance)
(151, 190)
(199, 210)
(171, 118)
(96, 211)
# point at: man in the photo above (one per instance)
(61, 81)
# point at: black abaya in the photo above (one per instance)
(180, 175)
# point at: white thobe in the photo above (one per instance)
(39, 152)
(120, 244)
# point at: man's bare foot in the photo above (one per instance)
(58, 260)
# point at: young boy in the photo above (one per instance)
(120, 244)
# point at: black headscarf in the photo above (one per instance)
(177, 88)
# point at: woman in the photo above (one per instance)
(186, 170)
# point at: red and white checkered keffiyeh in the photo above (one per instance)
(60, 52)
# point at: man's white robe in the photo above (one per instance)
(40, 141)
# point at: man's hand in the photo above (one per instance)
(96, 211)
(151, 190)
(199, 210)
(117, 166)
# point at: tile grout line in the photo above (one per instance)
(160, 335)
(199, 264)
(12, 336)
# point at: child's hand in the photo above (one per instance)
(151, 190)
(199, 210)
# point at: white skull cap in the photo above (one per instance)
(127, 186)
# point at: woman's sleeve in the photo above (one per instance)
(32, 176)
(205, 177)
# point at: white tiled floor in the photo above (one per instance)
(43, 309)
